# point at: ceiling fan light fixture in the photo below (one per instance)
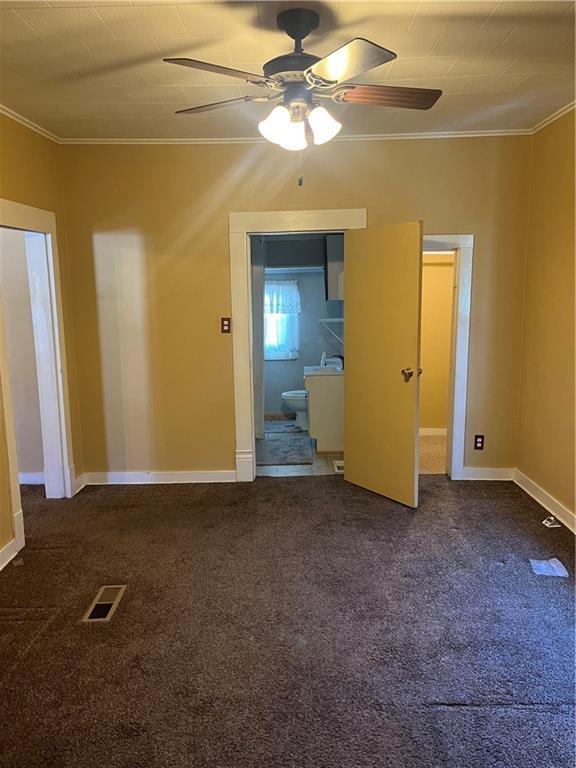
(273, 125)
(280, 129)
(324, 126)
(294, 137)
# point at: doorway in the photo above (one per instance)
(32, 359)
(15, 288)
(244, 224)
(241, 226)
(298, 353)
(435, 352)
(460, 248)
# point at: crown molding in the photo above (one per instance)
(29, 124)
(257, 140)
(554, 116)
(357, 137)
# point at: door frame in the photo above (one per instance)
(463, 248)
(44, 278)
(242, 225)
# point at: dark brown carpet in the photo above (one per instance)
(288, 623)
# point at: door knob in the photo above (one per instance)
(407, 373)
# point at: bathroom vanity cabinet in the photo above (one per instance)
(326, 410)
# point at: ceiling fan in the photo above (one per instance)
(299, 81)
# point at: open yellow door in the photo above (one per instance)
(382, 287)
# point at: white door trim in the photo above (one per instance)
(463, 246)
(241, 225)
(44, 277)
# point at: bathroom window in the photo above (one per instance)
(281, 326)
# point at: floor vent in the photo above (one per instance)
(105, 603)
(338, 466)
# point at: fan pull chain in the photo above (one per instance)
(300, 180)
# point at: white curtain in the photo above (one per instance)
(281, 326)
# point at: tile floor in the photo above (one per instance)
(322, 464)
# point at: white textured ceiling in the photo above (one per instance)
(95, 70)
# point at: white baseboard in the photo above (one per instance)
(546, 500)
(77, 484)
(10, 550)
(31, 478)
(485, 473)
(245, 469)
(151, 478)
(430, 431)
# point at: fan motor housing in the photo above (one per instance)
(298, 22)
(289, 62)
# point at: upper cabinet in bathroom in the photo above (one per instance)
(335, 266)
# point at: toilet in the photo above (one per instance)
(297, 400)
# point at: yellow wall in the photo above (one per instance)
(167, 209)
(30, 168)
(546, 416)
(437, 280)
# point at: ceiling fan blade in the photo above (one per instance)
(352, 59)
(219, 70)
(387, 96)
(219, 104)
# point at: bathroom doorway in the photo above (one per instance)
(298, 353)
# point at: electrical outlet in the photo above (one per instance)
(225, 324)
(478, 442)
